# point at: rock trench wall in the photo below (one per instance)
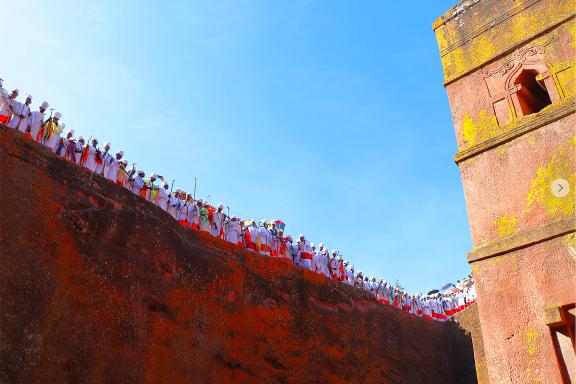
(99, 286)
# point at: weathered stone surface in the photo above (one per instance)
(509, 74)
(99, 286)
(470, 322)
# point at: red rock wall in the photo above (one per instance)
(99, 286)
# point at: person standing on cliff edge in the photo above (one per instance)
(5, 102)
(50, 128)
(35, 121)
(20, 113)
(305, 252)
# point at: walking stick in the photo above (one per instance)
(194, 189)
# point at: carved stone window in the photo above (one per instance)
(531, 95)
(522, 85)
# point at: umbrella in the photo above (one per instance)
(279, 224)
(433, 291)
(446, 286)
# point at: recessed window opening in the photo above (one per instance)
(532, 94)
(562, 334)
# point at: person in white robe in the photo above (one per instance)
(75, 154)
(3, 100)
(20, 113)
(55, 138)
(50, 130)
(218, 221)
(334, 266)
(182, 214)
(264, 238)
(350, 275)
(251, 235)
(65, 144)
(174, 203)
(194, 217)
(92, 156)
(151, 188)
(106, 157)
(359, 280)
(111, 170)
(162, 196)
(6, 102)
(305, 252)
(233, 231)
(36, 120)
(138, 182)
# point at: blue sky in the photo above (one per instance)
(329, 115)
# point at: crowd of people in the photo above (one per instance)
(265, 237)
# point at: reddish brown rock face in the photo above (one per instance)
(99, 286)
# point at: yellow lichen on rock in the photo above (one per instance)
(483, 128)
(505, 225)
(560, 166)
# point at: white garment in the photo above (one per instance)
(304, 247)
(162, 198)
(194, 215)
(253, 232)
(91, 160)
(35, 121)
(349, 272)
(265, 239)
(173, 206)
(78, 152)
(103, 167)
(20, 117)
(218, 222)
(232, 231)
(53, 141)
(374, 288)
(182, 213)
(5, 103)
(334, 267)
(111, 171)
(137, 184)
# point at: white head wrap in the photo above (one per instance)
(121, 153)
(29, 97)
(106, 143)
(44, 105)
(140, 171)
(220, 206)
(71, 132)
(57, 115)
